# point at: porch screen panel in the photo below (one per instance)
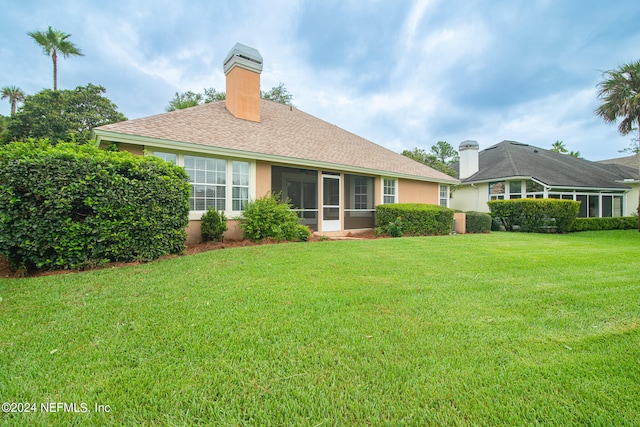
(359, 203)
(300, 186)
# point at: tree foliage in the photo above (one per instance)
(15, 95)
(440, 158)
(71, 206)
(53, 42)
(62, 115)
(184, 100)
(620, 96)
(559, 147)
(191, 99)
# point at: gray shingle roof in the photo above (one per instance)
(514, 159)
(628, 161)
(285, 132)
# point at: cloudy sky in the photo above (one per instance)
(403, 74)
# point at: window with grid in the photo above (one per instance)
(389, 191)
(240, 185)
(208, 179)
(444, 195)
(167, 157)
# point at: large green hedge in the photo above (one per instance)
(535, 215)
(615, 223)
(72, 206)
(418, 219)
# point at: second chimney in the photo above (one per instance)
(469, 163)
(242, 66)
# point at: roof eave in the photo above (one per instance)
(106, 135)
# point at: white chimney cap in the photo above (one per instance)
(469, 145)
(244, 57)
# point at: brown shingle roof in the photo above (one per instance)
(282, 132)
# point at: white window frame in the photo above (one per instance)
(355, 212)
(167, 155)
(384, 188)
(444, 198)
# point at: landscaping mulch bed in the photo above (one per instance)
(5, 271)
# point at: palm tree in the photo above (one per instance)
(15, 95)
(54, 42)
(620, 93)
(558, 147)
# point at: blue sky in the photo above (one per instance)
(403, 74)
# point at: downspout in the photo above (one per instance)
(477, 196)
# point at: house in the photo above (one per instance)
(513, 170)
(240, 149)
(626, 163)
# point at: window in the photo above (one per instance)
(389, 192)
(534, 190)
(215, 183)
(167, 157)
(444, 195)
(515, 189)
(361, 192)
(240, 186)
(496, 190)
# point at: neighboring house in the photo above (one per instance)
(245, 147)
(624, 164)
(512, 170)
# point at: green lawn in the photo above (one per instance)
(501, 329)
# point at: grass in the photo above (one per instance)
(501, 329)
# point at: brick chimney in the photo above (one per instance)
(242, 66)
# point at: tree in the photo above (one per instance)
(212, 95)
(15, 95)
(53, 42)
(184, 100)
(190, 99)
(558, 147)
(620, 96)
(63, 115)
(278, 94)
(444, 152)
(429, 159)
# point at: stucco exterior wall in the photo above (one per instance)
(631, 201)
(418, 192)
(263, 179)
(468, 198)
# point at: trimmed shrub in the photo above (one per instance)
(535, 215)
(615, 223)
(72, 206)
(417, 219)
(213, 225)
(269, 217)
(478, 222)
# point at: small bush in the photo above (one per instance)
(418, 219)
(72, 206)
(535, 215)
(269, 217)
(213, 225)
(615, 223)
(478, 222)
(393, 229)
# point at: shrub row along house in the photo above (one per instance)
(512, 170)
(240, 149)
